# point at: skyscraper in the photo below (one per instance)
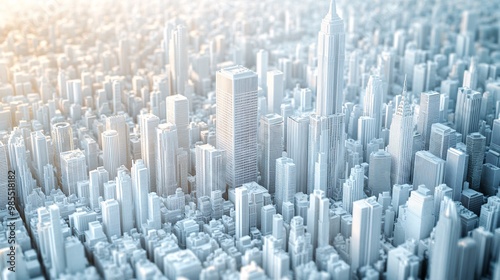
(442, 137)
(111, 218)
(166, 165)
(373, 100)
(444, 254)
(275, 91)
(210, 170)
(286, 181)
(379, 172)
(119, 124)
(475, 149)
(401, 141)
(317, 217)
(365, 239)
(270, 148)
(147, 125)
(178, 59)
(326, 132)
(428, 114)
(428, 170)
(236, 127)
(111, 151)
(457, 163)
(331, 46)
(297, 149)
(62, 137)
(73, 169)
(420, 214)
(125, 199)
(241, 207)
(178, 114)
(140, 190)
(467, 111)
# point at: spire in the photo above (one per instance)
(404, 86)
(333, 8)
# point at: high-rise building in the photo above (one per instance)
(457, 163)
(147, 125)
(373, 100)
(73, 169)
(420, 214)
(140, 190)
(428, 114)
(318, 220)
(353, 188)
(467, 254)
(41, 154)
(261, 67)
(297, 149)
(484, 242)
(62, 137)
(166, 164)
(111, 218)
(442, 137)
(467, 111)
(125, 199)
(299, 243)
(242, 212)
(401, 141)
(286, 181)
(270, 149)
(111, 151)
(365, 239)
(428, 170)
(56, 242)
(236, 128)
(379, 172)
(402, 264)
(178, 59)
(275, 90)
(443, 261)
(119, 124)
(210, 170)
(331, 46)
(475, 149)
(326, 134)
(178, 114)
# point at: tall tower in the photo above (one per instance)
(270, 148)
(62, 137)
(241, 207)
(467, 111)
(297, 145)
(56, 243)
(456, 171)
(210, 170)
(119, 124)
(326, 133)
(365, 240)
(111, 151)
(140, 190)
(178, 59)
(148, 124)
(166, 166)
(401, 141)
(372, 105)
(331, 56)
(178, 114)
(73, 169)
(475, 149)
(236, 129)
(444, 256)
(428, 115)
(285, 181)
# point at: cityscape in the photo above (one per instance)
(271, 139)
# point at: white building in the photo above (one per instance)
(236, 128)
